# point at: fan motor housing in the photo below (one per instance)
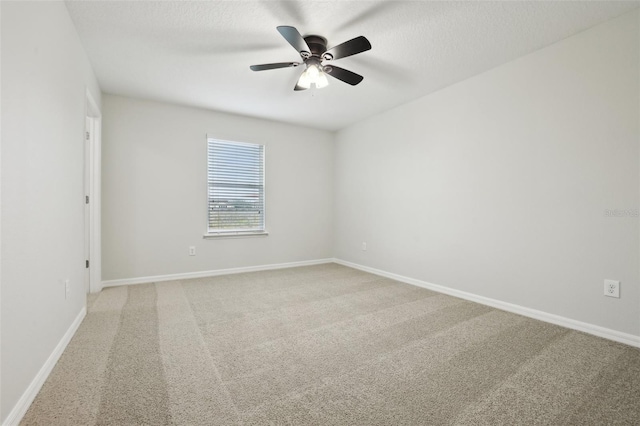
(317, 44)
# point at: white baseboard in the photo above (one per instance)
(607, 333)
(213, 273)
(21, 407)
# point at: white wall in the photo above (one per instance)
(154, 191)
(498, 185)
(45, 74)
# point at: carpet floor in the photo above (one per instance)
(323, 345)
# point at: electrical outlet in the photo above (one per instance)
(192, 251)
(67, 287)
(612, 288)
(364, 246)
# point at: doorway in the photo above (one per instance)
(92, 161)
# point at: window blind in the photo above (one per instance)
(235, 187)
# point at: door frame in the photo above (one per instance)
(92, 185)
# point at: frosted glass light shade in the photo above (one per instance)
(313, 75)
(322, 81)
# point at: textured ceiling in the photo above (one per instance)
(198, 53)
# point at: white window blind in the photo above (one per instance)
(235, 187)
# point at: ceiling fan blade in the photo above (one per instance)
(348, 48)
(344, 75)
(277, 65)
(294, 38)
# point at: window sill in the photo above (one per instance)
(220, 235)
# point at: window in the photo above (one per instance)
(235, 175)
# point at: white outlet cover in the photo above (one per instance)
(612, 288)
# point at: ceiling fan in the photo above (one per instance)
(313, 51)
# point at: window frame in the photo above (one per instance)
(221, 233)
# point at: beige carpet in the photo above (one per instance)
(326, 345)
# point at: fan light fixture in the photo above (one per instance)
(313, 75)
